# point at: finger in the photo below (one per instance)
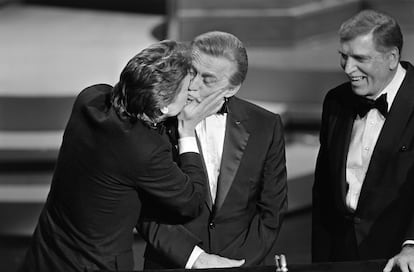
(190, 106)
(217, 102)
(390, 264)
(211, 106)
(403, 266)
(192, 103)
(214, 108)
(411, 266)
(218, 94)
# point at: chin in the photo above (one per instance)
(360, 92)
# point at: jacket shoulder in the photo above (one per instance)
(340, 92)
(254, 110)
(93, 91)
(339, 97)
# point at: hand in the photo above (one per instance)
(206, 260)
(404, 260)
(194, 112)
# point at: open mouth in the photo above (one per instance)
(356, 79)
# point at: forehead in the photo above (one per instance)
(360, 45)
(218, 66)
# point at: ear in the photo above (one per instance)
(233, 90)
(164, 110)
(394, 58)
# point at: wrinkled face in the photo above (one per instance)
(368, 70)
(210, 74)
(180, 100)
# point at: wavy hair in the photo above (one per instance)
(223, 44)
(150, 80)
(385, 29)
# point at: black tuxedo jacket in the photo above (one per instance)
(105, 165)
(251, 200)
(384, 217)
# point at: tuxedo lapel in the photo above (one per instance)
(390, 135)
(235, 141)
(341, 138)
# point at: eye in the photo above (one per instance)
(210, 80)
(343, 56)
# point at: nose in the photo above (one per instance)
(349, 65)
(193, 84)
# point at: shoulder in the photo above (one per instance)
(252, 110)
(98, 94)
(94, 91)
(409, 68)
(255, 118)
(340, 95)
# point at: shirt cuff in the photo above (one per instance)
(408, 242)
(193, 257)
(187, 144)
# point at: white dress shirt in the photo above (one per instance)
(364, 137)
(210, 133)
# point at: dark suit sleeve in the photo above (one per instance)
(255, 243)
(409, 235)
(179, 190)
(320, 206)
(410, 232)
(173, 242)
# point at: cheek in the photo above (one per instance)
(205, 92)
(375, 75)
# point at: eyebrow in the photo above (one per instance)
(355, 55)
(207, 74)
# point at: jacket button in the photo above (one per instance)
(211, 225)
(403, 148)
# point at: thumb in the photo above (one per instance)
(390, 264)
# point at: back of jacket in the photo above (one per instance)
(104, 165)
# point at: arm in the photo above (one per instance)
(256, 242)
(165, 181)
(172, 243)
(173, 190)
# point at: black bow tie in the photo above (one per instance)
(364, 105)
(224, 109)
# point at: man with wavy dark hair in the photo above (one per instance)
(114, 157)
